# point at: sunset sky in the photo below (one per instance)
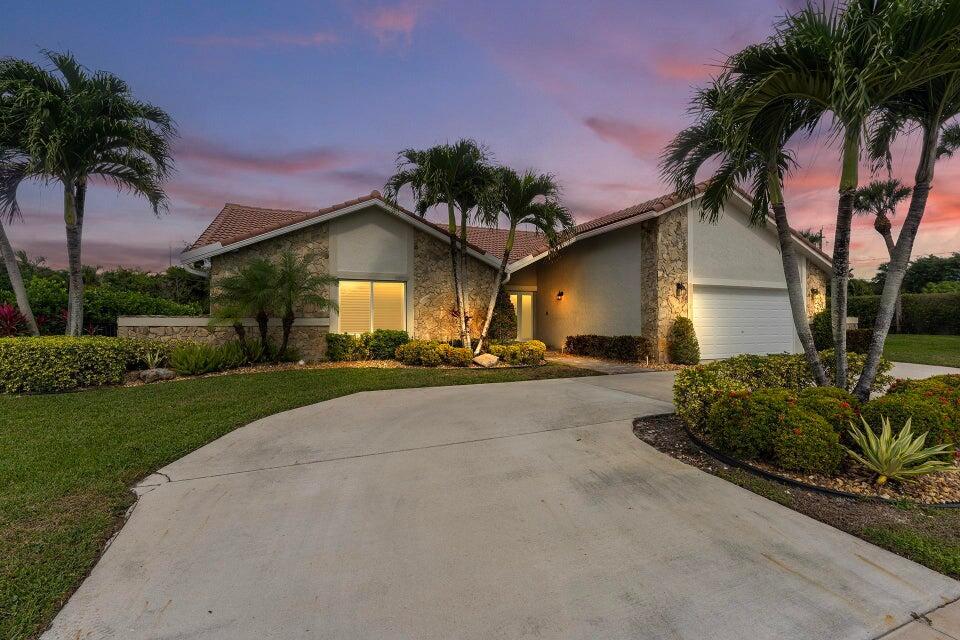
(304, 104)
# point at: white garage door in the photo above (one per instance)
(734, 320)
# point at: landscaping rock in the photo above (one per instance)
(486, 360)
(131, 376)
(153, 375)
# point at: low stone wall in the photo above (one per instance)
(308, 335)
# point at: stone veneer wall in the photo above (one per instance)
(309, 340)
(312, 240)
(663, 264)
(433, 297)
(819, 280)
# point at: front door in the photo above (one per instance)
(523, 303)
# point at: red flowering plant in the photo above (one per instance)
(12, 322)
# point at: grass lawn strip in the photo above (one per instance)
(928, 536)
(943, 351)
(67, 461)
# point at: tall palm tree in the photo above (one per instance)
(10, 179)
(298, 286)
(250, 291)
(760, 165)
(851, 60)
(74, 126)
(880, 199)
(454, 175)
(527, 198)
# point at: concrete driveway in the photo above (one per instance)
(521, 510)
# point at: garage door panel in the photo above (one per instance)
(734, 320)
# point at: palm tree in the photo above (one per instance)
(297, 286)
(72, 126)
(851, 61)
(251, 291)
(455, 175)
(527, 198)
(761, 165)
(9, 210)
(880, 199)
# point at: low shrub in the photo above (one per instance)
(382, 344)
(901, 457)
(455, 356)
(626, 348)
(745, 425)
(422, 353)
(196, 358)
(807, 443)
(935, 415)
(697, 388)
(529, 352)
(345, 346)
(53, 364)
(682, 344)
(922, 312)
(858, 340)
(837, 406)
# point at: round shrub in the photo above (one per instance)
(745, 425)
(422, 353)
(697, 388)
(382, 344)
(807, 443)
(345, 346)
(519, 353)
(930, 414)
(837, 406)
(455, 356)
(682, 344)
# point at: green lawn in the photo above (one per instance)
(67, 461)
(922, 349)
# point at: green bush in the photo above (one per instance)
(345, 346)
(937, 416)
(455, 356)
(696, 388)
(195, 358)
(807, 443)
(52, 364)
(503, 324)
(682, 344)
(745, 424)
(626, 348)
(422, 353)
(931, 313)
(382, 344)
(520, 353)
(103, 305)
(858, 340)
(837, 406)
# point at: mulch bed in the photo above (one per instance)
(666, 434)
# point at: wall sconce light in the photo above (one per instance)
(560, 295)
(681, 288)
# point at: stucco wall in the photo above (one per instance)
(732, 250)
(433, 296)
(600, 280)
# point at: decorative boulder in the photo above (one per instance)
(486, 360)
(153, 375)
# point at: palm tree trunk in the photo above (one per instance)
(841, 253)
(496, 290)
(900, 259)
(74, 196)
(16, 281)
(262, 324)
(464, 311)
(791, 271)
(287, 322)
(891, 247)
(455, 267)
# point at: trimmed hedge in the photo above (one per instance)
(380, 345)
(626, 348)
(930, 313)
(53, 364)
(430, 353)
(522, 353)
(858, 340)
(932, 404)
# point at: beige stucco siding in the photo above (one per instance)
(523, 279)
(600, 280)
(731, 252)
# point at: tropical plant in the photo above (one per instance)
(70, 126)
(524, 198)
(299, 285)
(456, 175)
(11, 321)
(901, 457)
(250, 291)
(851, 61)
(759, 161)
(9, 212)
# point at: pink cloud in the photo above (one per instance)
(225, 158)
(391, 23)
(264, 40)
(679, 68)
(642, 141)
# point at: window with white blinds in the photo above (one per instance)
(366, 306)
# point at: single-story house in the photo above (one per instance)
(630, 272)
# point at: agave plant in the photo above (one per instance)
(900, 457)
